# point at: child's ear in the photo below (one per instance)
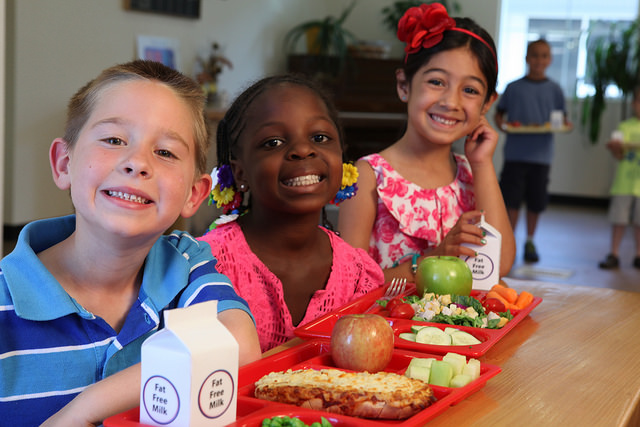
(199, 192)
(238, 173)
(402, 85)
(487, 105)
(59, 158)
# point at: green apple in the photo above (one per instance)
(444, 275)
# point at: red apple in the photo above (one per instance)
(362, 342)
(444, 275)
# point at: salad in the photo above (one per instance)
(451, 309)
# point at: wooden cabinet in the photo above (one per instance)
(365, 93)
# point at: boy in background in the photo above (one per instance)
(529, 101)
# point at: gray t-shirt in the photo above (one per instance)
(530, 102)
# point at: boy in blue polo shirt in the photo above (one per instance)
(80, 294)
(527, 156)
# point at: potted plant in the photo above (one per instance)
(326, 38)
(394, 12)
(614, 59)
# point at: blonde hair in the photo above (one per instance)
(84, 101)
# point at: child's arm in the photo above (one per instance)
(616, 148)
(358, 214)
(479, 149)
(114, 394)
(244, 331)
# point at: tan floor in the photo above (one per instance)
(571, 241)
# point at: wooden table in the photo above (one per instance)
(575, 361)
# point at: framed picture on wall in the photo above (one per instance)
(183, 8)
(159, 49)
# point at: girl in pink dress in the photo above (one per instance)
(280, 147)
(417, 197)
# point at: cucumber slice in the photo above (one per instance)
(450, 330)
(433, 335)
(464, 338)
(407, 336)
(416, 328)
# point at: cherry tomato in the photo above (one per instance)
(494, 304)
(393, 302)
(402, 311)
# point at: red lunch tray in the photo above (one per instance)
(315, 354)
(322, 327)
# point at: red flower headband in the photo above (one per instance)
(423, 27)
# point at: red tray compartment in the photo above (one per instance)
(322, 326)
(315, 354)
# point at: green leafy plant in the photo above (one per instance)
(330, 37)
(392, 14)
(614, 60)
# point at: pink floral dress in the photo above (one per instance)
(411, 219)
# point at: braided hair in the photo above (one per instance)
(233, 124)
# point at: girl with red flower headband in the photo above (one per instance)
(417, 197)
(281, 142)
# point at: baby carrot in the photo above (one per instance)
(524, 299)
(508, 294)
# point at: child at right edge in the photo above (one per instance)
(624, 206)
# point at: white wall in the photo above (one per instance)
(53, 47)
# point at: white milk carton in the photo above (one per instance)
(485, 267)
(190, 370)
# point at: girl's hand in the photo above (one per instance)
(465, 231)
(481, 143)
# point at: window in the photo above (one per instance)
(564, 24)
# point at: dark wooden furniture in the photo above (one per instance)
(364, 90)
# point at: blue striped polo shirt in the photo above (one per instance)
(51, 348)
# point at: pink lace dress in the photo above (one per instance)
(353, 274)
(411, 219)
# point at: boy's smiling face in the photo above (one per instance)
(132, 170)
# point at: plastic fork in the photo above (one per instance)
(396, 288)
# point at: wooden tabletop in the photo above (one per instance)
(575, 361)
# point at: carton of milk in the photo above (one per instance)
(485, 267)
(190, 370)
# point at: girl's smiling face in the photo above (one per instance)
(132, 169)
(290, 152)
(446, 97)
